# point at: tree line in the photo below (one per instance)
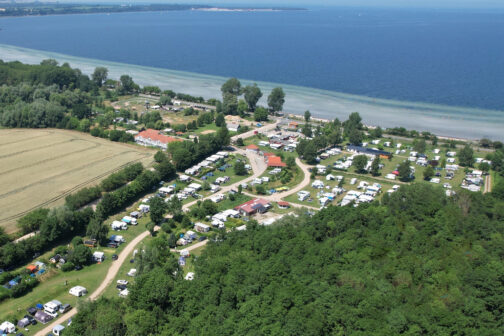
(416, 263)
(59, 224)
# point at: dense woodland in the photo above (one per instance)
(416, 264)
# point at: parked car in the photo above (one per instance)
(202, 238)
(122, 282)
(114, 257)
(78, 267)
(121, 287)
(64, 308)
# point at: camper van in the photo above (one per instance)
(129, 220)
(51, 308)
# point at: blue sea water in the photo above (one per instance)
(450, 58)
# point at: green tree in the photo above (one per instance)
(231, 86)
(252, 94)
(151, 226)
(157, 210)
(420, 146)
(220, 120)
(260, 114)
(307, 130)
(242, 107)
(80, 256)
(174, 206)
(239, 168)
(355, 137)
(127, 84)
(375, 166)
(276, 99)
(159, 156)
(376, 132)
(428, 173)
(466, 156)
(99, 75)
(360, 162)
(404, 170)
(260, 189)
(310, 152)
(97, 230)
(229, 104)
(484, 167)
(290, 162)
(307, 116)
(172, 241)
(239, 142)
(166, 170)
(77, 240)
(141, 323)
(223, 137)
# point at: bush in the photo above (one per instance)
(68, 266)
(83, 197)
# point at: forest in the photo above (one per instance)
(418, 263)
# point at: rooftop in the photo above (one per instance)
(155, 135)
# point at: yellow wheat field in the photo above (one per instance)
(39, 167)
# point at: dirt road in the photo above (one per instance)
(488, 184)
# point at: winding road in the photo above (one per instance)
(258, 167)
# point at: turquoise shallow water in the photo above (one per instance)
(442, 120)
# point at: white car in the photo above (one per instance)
(122, 282)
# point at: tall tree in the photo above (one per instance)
(307, 116)
(99, 75)
(404, 170)
(127, 84)
(359, 162)
(220, 120)
(428, 173)
(355, 136)
(229, 104)
(310, 152)
(157, 210)
(252, 94)
(375, 166)
(420, 146)
(276, 99)
(231, 86)
(97, 230)
(466, 156)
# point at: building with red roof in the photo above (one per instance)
(283, 205)
(153, 138)
(275, 162)
(252, 148)
(257, 205)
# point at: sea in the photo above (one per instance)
(435, 70)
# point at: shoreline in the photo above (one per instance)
(442, 120)
(194, 8)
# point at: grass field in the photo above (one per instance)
(38, 168)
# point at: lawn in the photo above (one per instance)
(52, 285)
(38, 168)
